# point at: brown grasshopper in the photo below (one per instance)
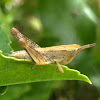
(62, 54)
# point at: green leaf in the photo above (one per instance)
(42, 91)
(4, 41)
(15, 91)
(3, 89)
(5, 44)
(15, 71)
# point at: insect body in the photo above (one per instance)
(62, 54)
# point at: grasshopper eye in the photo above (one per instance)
(72, 53)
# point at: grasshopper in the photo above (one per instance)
(62, 54)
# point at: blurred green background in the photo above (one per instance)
(56, 22)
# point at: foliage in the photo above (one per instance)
(48, 23)
(15, 71)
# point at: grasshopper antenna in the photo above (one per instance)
(88, 46)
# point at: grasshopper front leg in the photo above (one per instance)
(59, 67)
